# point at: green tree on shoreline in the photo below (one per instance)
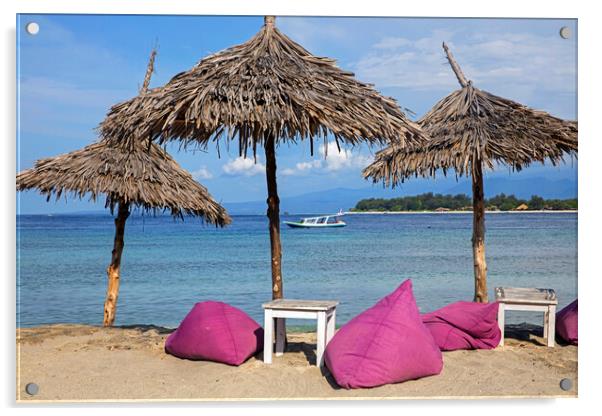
(461, 202)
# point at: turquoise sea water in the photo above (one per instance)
(168, 266)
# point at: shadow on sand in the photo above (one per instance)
(529, 333)
(144, 327)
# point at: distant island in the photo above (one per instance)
(462, 202)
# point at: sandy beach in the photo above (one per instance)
(87, 363)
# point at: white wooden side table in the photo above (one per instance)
(528, 299)
(324, 311)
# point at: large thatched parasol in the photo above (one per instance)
(263, 92)
(134, 175)
(471, 129)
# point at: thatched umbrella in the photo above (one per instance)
(264, 92)
(471, 129)
(133, 175)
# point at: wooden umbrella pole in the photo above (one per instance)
(478, 205)
(478, 235)
(273, 203)
(274, 216)
(123, 213)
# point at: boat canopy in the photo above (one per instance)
(318, 220)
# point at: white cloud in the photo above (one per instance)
(391, 43)
(331, 161)
(501, 61)
(308, 165)
(302, 168)
(401, 62)
(243, 166)
(202, 173)
(345, 159)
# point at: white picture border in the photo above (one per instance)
(589, 107)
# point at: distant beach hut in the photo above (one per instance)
(132, 175)
(442, 209)
(522, 207)
(471, 129)
(264, 92)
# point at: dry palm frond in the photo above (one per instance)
(268, 86)
(145, 177)
(472, 126)
(135, 174)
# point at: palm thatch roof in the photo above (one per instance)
(472, 126)
(146, 177)
(267, 86)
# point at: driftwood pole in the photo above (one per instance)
(478, 235)
(123, 212)
(478, 206)
(149, 72)
(273, 216)
(455, 67)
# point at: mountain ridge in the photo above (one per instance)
(331, 200)
(345, 198)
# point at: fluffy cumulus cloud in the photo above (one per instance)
(202, 173)
(302, 168)
(332, 160)
(336, 160)
(501, 61)
(243, 166)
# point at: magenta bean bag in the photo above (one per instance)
(387, 343)
(566, 323)
(216, 331)
(464, 326)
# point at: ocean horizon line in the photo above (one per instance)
(542, 211)
(456, 212)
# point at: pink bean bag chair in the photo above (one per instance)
(387, 343)
(464, 326)
(216, 331)
(566, 323)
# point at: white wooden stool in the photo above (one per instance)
(324, 311)
(528, 299)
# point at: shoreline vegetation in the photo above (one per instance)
(461, 204)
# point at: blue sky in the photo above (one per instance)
(77, 66)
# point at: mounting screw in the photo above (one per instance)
(566, 384)
(565, 32)
(32, 389)
(32, 28)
